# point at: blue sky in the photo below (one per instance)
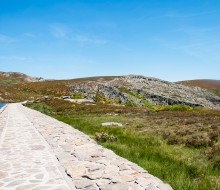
(60, 39)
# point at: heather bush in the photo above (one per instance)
(104, 137)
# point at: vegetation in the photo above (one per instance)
(177, 145)
(211, 85)
(173, 108)
(76, 96)
(216, 92)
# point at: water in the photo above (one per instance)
(1, 105)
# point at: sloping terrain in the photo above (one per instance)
(15, 78)
(131, 90)
(141, 90)
(210, 85)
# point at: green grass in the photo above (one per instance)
(9, 81)
(216, 92)
(43, 108)
(182, 167)
(176, 165)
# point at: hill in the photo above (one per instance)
(131, 90)
(15, 78)
(210, 85)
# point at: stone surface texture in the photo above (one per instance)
(30, 141)
(26, 160)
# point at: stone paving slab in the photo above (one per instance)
(90, 166)
(26, 160)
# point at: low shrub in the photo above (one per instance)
(104, 137)
(214, 155)
(198, 141)
(172, 108)
(130, 103)
(41, 107)
(77, 96)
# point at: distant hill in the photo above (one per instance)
(131, 90)
(16, 78)
(210, 85)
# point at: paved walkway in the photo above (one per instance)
(39, 152)
(26, 161)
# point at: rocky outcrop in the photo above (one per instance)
(137, 89)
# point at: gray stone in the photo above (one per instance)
(111, 124)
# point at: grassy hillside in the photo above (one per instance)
(14, 78)
(211, 85)
(16, 88)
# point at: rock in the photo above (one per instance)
(111, 124)
(136, 88)
(46, 97)
(65, 97)
(80, 101)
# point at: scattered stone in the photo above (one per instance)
(80, 101)
(107, 124)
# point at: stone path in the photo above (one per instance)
(30, 145)
(26, 161)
